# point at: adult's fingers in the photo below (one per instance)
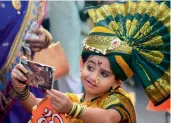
(20, 75)
(22, 68)
(37, 31)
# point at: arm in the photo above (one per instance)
(30, 102)
(97, 115)
(61, 103)
(27, 99)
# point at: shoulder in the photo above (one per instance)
(120, 101)
(117, 96)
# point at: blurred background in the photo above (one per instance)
(69, 23)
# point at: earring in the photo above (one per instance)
(113, 87)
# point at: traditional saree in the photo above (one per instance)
(16, 19)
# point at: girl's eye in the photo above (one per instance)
(90, 68)
(104, 74)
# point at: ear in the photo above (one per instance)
(119, 82)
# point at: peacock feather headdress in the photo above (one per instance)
(135, 37)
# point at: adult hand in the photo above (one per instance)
(60, 102)
(37, 44)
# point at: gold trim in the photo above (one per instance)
(118, 98)
(102, 29)
(16, 4)
(156, 40)
(103, 44)
(160, 11)
(144, 71)
(160, 89)
(154, 56)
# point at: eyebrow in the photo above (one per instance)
(93, 62)
(108, 72)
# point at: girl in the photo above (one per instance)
(103, 97)
(120, 45)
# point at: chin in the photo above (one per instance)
(93, 92)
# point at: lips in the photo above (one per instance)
(90, 84)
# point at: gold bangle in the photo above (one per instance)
(77, 111)
(22, 95)
(82, 108)
(83, 112)
(73, 109)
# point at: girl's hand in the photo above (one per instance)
(60, 102)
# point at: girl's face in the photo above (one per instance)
(97, 76)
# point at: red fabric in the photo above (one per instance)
(163, 107)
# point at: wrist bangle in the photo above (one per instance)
(22, 95)
(77, 111)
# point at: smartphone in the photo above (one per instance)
(39, 75)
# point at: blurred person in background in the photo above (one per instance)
(70, 26)
(19, 20)
(66, 28)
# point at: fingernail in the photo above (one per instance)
(25, 78)
(25, 71)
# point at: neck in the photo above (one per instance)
(89, 97)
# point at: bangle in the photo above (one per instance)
(77, 111)
(84, 108)
(73, 109)
(23, 95)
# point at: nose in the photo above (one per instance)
(94, 76)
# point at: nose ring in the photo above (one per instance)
(97, 80)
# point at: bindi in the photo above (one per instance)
(99, 63)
